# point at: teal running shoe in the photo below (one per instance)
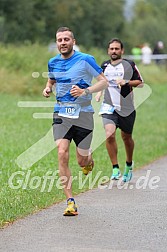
(116, 174)
(127, 176)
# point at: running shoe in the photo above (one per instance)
(127, 176)
(71, 209)
(116, 174)
(88, 168)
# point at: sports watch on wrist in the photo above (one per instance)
(87, 91)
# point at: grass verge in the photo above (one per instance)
(24, 191)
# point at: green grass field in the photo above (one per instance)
(19, 131)
(24, 191)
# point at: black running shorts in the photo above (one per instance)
(124, 123)
(79, 130)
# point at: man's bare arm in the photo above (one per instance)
(48, 89)
(101, 84)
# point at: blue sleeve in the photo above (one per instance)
(92, 66)
(50, 72)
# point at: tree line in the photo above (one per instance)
(94, 22)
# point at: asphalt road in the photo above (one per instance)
(114, 218)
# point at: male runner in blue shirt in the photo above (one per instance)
(72, 72)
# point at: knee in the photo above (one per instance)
(63, 155)
(127, 138)
(110, 139)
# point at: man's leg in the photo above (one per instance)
(111, 143)
(129, 145)
(112, 149)
(85, 160)
(62, 131)
(83, 139)
(65, 176)
(64, 171)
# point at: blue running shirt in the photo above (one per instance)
(78, 70)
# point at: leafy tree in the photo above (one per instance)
(148, 23)
(94, 22)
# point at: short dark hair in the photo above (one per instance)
(63, 29)
(116, 40)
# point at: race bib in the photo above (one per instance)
(106, 109)
(69, 110)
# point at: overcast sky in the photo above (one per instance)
(128, 9)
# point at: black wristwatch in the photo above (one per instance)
(87, 91)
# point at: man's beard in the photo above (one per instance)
(115, 58)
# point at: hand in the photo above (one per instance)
(76, 91)
(46, 92)
(121, 82)
(98, 96)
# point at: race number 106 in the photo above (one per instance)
(70, 110)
